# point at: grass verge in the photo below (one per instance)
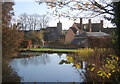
(47, 50)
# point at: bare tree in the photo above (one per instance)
(33, 21)
(44, 20)
(23, 20)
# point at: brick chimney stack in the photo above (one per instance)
(81, 27)
(101, 24)
(90, 26)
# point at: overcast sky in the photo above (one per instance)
(31, 7)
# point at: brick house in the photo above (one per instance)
(79, 33)
(70, 34)
(82, 39)
(79, 28)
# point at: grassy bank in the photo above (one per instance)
(81, 51)
(47, 50)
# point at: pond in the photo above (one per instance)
(44, 67)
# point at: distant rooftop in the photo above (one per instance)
(52, 27)
(78, 40)
(97, 34)
(108, 30)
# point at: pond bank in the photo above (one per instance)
(47, 50)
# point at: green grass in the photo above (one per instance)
(82, 51)
(48, 49)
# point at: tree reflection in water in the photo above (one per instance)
(41, 58)
(79, 65)
(35, 68)
(59, 54)
(8, 74)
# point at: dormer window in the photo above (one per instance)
(85, 27)
(77, 33)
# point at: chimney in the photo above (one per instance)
(81, 27)
(90, 26)
(101, 24)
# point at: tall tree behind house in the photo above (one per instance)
(33, 21)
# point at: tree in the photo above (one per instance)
(10, 34)
(116, 20)
(44, 20)
(35, 36)
(90, 8)
(23, 21)
(40, 36)
(7, 13)
(8, 73)
(33, 21)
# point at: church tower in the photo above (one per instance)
(59, 28)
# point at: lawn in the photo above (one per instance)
(48, 50)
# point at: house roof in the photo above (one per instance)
(108, 30)
(51, 27)
(81, 35)
(77, 24)
(78, 40)
(29, 30)
(64, 31)
(43, 29)
(97, 34)
(74, 29)
(95, 26)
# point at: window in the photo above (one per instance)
(77, 33)
(85, 27)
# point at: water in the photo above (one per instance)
(43, 67)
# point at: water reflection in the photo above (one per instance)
(46, 68)
(79, 65)
(8, 73)
(59, 54)
(34, 60)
